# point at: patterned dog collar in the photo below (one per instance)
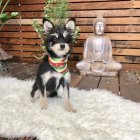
(59, 64)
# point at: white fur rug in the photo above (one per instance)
(100, 115)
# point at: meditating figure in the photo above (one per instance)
(97, 55)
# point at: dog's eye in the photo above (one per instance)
(54, 38)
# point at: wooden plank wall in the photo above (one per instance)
(122, 18)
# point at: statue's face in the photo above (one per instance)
(99, 28)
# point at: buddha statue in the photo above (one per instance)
(97, 55)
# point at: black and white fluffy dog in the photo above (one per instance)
(53, 72)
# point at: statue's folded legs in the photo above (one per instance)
(83, 67)
(113, 66)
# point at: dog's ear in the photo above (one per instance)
(48, 25)
(70, 25)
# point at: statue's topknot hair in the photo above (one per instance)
(99, 19)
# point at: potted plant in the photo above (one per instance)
(56, 11)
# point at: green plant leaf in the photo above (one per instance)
(4, 15)
(14, 14)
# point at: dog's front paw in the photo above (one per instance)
(44, 103)
(44, 106)
(70, 109)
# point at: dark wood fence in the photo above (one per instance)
(123, 27)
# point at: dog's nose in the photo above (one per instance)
(62, 46)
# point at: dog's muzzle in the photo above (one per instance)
(62, 46)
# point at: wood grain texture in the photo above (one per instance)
(122, 26)
(80, 21)
(83, 28)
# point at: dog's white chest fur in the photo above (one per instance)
(48, 75)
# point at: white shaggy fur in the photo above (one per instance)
(100, 115)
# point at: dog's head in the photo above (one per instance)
(58, 38)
